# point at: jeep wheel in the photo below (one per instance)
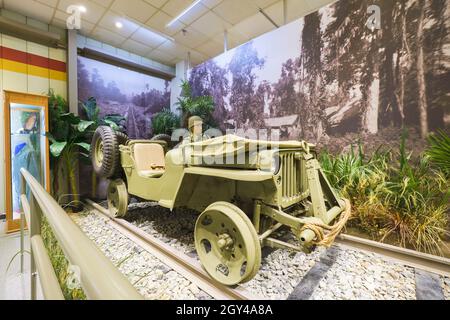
(117, 198)
(227, 244)
(105, 152)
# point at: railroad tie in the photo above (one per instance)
(310, 281)
(428, 286)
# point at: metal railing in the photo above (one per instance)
(99, 278)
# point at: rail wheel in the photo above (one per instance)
(227, 243)
(117, 195)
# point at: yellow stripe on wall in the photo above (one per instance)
(32, 70)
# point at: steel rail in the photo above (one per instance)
(99, 278)
(188, 267)
(408, 257)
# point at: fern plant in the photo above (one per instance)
(439, 150)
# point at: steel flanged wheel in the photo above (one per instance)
(227, 244)
(117, 198)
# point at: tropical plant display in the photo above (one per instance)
(165, 122)
(67, 135)
(394, 197)
(92, 111)
(190, 105)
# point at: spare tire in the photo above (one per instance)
(122, 138)
(163, 137)
(104, 152)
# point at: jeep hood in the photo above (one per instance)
(232, 144)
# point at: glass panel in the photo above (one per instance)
(27, 146)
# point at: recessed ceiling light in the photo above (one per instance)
(119, 25)
(184, 12)
(82, 9)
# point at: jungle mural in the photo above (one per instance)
(133, 95)
(330, 79)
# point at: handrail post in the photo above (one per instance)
(35, 229)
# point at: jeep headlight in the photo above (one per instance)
(269, 161)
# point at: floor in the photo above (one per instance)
(14, 285)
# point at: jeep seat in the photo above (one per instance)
(149, 159)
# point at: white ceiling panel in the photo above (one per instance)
(135, 9)
(210, 24)
(156, 3)
(211, 3)
(253, 27)
(204, 25)
(159, 21)
(211, 48)
(50, 3)
(174, 48)
(136, 47)
(107, 36)
(175, 7)
(110, 19)
(148, 38)
(234, 11)
(191, 38)
(104, 3)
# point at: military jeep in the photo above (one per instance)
(245, 190)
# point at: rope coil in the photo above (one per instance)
(327, 239)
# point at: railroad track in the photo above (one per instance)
(191, 269)
(412, 258)
(188, 267)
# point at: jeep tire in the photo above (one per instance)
(105, 155)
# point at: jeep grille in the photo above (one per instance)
(291, 178)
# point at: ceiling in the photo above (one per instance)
(204, 25)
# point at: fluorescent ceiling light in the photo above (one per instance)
(82, 9)
(196, 2)
(119, 25)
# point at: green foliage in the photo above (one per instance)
(57, 107)
(59, 263)
(67, 137)
(202, 106)
(92, 111)
(91, 108)
(165, 122)
(393, 196)
(439, 150)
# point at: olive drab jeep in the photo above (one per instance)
(245, 190)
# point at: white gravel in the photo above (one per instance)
(446, 287)
(148, 274)
(361, 275)
(354, 275)
(280, 272)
